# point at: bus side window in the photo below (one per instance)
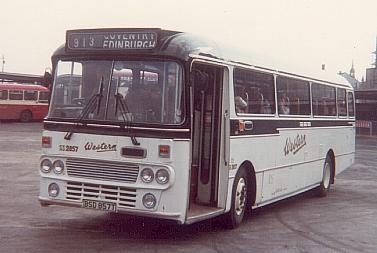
(30, 95)
(3, 94)
(254, 92)
(43, 97)
(282, 85)
(293, 96)
(351, 109)
(326, 97)
(16, 95)
(341, 100)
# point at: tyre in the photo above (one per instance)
(26, 116)
(239, 199)
(324, 187)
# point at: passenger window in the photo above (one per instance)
(43, 97)
(16, 95)
(351, 108)
(30, 95)
(342, 102)
(253, 92)
(293, 96)
(3, 94)
(324, 101)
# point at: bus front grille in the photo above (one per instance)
(102, 170)
(123, 196)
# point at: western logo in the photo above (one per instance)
(294, 146)
(103, 147)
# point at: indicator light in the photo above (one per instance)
(46, 141)
(164, 151)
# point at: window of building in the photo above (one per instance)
(342, 102)
(324, 102)
(351, 108)
(253, 92)
(293, 96)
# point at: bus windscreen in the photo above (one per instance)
(150, 90)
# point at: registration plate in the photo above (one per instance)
(99, 205)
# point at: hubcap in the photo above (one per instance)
(240, 197)
(326, 176)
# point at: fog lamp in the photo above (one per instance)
(53, 190)
(149, 200)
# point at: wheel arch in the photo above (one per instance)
(331, 154)
(249, 167)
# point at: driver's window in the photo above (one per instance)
(68, 83)
(172, 94)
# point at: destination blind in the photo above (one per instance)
(111, 40)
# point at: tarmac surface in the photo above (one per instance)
(344, 221)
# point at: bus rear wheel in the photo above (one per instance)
(239, 199)
(26, 116)
(324, 187)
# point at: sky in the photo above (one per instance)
(302, 33)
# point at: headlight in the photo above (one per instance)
(149, 200)
(147, 175)
(45, 165)
(58, 166)
(53, 190)
(162, 176)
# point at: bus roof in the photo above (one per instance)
(178, 45)
(21, 78)
(17, 86)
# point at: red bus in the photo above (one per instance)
(24, 102)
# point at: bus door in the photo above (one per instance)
(210, 140)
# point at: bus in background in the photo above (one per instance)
(165, 124)
(24, 102)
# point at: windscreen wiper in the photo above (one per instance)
(93, 103)
(121, 103)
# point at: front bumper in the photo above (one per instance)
(161, 215)
(128, 200)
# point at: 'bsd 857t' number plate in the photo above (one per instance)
(99, 205)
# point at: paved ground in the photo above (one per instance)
(345, 221)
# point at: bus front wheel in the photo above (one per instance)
(324, 187)
(26, 116)
(239, 199)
